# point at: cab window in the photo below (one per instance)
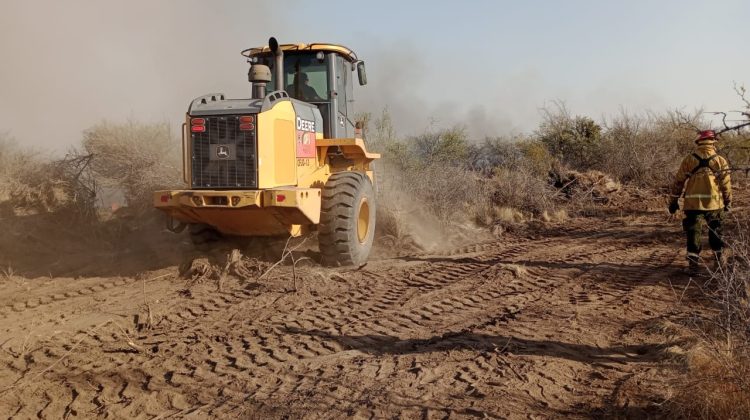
(305, 77)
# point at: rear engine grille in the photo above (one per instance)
(223, 155)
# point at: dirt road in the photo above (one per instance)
(566, 322)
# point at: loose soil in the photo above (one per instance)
(567, 320)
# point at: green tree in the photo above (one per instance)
(575, 140)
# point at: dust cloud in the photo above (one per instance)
(68, 65)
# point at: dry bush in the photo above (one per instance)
(426, 206)
(647, 149)
(736, 148)
(449, 146)
(435, 195)
(30, 181)
(520, 188)
(395, 227)
(134, 159)
(449, 192)
(13, 161)
(717, 383)
(716, 386)
(446, 180)
(640, 149)
(497, 152)
(574, 140)
(430, 170)
(590, 187)
(537, 158)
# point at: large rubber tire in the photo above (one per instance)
(347, 219)
(204, 237)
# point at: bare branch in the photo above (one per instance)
(723, 118)
(741, 91)
(737, 127)
(680, 118)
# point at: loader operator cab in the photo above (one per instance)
(319, 74)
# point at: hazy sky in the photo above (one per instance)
(490, 65)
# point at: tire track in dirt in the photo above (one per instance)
(61, 297)
(276, 351)
(346, 351)
(420, 317)
(547, 384)
(394, 292)
(470, 376)
(318, 348)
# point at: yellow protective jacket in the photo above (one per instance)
(707, 188)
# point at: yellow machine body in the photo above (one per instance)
(287, 200)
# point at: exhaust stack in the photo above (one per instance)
(273, 44)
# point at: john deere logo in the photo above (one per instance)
(222, 152)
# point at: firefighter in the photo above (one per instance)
(704, 181)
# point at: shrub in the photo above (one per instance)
(448, 146)
(717, 381)
(448, 192)
(32, 182)
(574, 140)
(536, 157)
(521, 189)
(647, 149)
(134, 159)
(494, 153)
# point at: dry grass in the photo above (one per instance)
(559, 215)
(717, 381)
(716, 386)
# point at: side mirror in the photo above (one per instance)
(361, 74)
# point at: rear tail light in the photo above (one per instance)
(247, 119)
(247, 127)
(280, 198)
(198, 125)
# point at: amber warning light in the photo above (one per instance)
(246, 123)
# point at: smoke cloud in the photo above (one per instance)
(68, 65)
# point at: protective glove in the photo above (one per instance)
(673, 207)
(727, 207)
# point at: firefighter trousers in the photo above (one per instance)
(693, 226)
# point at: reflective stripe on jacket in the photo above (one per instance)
(706, 188)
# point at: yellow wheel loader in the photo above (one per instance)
(287, 161)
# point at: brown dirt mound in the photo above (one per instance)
(594, 185)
